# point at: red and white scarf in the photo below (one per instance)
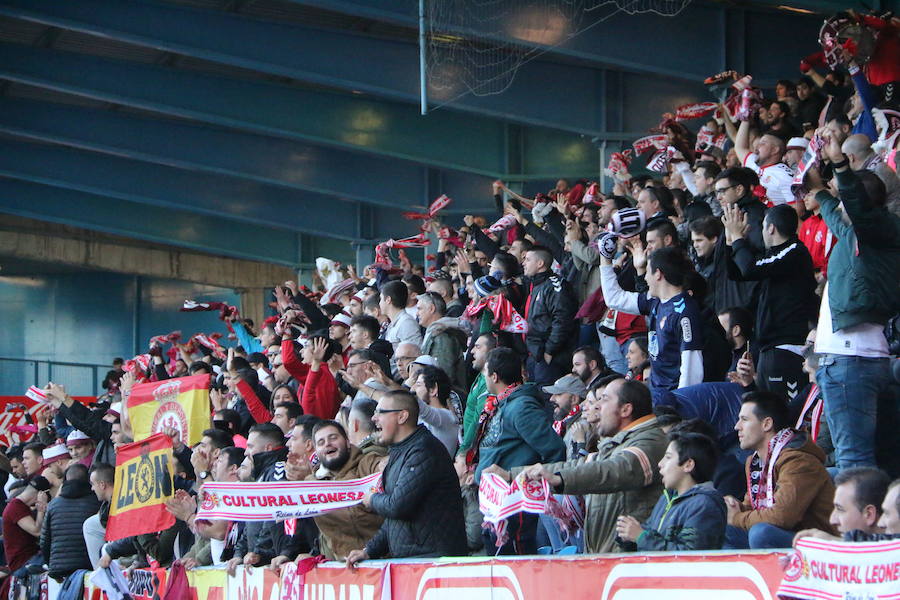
(760, 479)
(811, 415)
(560, 426)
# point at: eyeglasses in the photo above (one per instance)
(382, 411)
(721, 191)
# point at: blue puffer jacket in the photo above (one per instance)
(717, 403)
(693, 521)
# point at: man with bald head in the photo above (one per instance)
(858, 149)
(767, 163)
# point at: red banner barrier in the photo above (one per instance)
(716, 576)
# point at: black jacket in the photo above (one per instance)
(552, 328)
(787, 298)
(421, 503)
(257, 535)
(92, 425)
(729, 289)
(62, 538)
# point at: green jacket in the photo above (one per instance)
(621, 478)
(447, 343)
(474, 406)
(520, 433)
(864, 266)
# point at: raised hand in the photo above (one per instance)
(735, 221)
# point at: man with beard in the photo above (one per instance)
(737, 322)
(588, 364)
(341, 531)
(474, 405)
(619, 478)
(566, 396)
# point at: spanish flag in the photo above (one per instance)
(181, 403)
(143, 483)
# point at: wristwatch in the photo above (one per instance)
(203, 474)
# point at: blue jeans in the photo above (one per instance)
(37, 559)
(760, 536)
(850, 386)
(613, 353)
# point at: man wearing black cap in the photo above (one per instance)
(21, 530)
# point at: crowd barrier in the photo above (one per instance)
(689, 576)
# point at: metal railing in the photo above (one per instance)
(80, 379)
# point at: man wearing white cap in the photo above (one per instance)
(796, 146)
(81, 447)
(356, 303)
(55, 460)
(338, 330)
(98, 428)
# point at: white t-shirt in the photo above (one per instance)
(866, 339)
(775, 178)
(403, 329)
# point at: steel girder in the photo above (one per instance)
(326, 57)
(191, 191)
(689, 46)
(262, 159)
(449, 140)
(140, 221)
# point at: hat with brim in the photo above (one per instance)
(76, 438)
(342, 319)
(426, 360)
(53, 453)
(569, 384)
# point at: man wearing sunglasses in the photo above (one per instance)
(421, 502)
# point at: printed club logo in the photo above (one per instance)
(209, 502)
(796, 567)
(533, 490)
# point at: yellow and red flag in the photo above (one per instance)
(181, 403)
(143, 483)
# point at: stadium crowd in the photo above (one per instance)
(703, 358)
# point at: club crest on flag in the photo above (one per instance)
(144, 479)
(181, 404)
(170, 415)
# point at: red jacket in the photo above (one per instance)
(292, 363)
(818, 240)
(321, 396)
(257, 409)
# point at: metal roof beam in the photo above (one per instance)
(187, 145)
(140, 221)
(448, 140)
(688, 46)
(190, 191)
(322, 57)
